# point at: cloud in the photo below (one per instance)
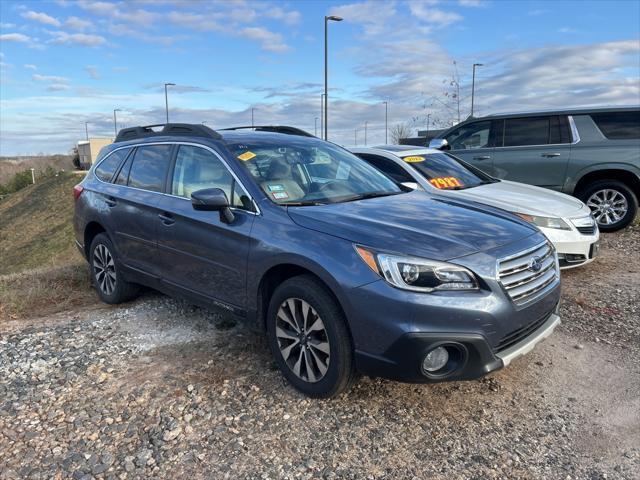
(77, 38)
(373, 16)
(41, 18)
(434, 16)
(112, 10)
(77, 23)
(15, 37)
(58, 87)
(127, 31)
(472, 3)
(92, 71)
(195, 21)
(49, 78)
(30, 66)
(269, 41)
(291, 17)
(568, 30)
(159, 87)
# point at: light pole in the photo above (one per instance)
(321, 115)
(428, 117)
(315, 126)
(332, 18)
(365, 133)
(473, 84)
(115, 121)
(252, 109)
(386, 127)
(166, 98)
(86, 129)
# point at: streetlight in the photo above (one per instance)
(115, 122)
(86, 129)
(252, 109)
(386, 128)
(473, 84)
(315, 126)
(327, 19)
(166, 98)
(428, 117)
(321, 115)
(365, 133)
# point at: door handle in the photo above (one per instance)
(167, 218)
(110, 201)
(550, 155)
(482, 157)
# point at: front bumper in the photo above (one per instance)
(574, 248)
(403, 360)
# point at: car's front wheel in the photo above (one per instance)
(309, 339)
(106, 273)
(613, 204)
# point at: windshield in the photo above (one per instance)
(303, 171)
(446, 172)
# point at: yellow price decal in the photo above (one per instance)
(246, 156)
(445, 182)
(413, 159)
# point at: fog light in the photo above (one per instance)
(435, 359)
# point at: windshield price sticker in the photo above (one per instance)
(414, 159)
(445, 182)
(246, 156)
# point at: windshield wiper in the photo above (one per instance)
(308, 203)
(362, 196)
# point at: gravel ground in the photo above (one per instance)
(159, 388)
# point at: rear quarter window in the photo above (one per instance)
(618, 125)
(107, 167)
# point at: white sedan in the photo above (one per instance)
(565, 220)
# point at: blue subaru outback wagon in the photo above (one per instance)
(347, 271)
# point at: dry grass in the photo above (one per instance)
(36, 229)
(41, 292)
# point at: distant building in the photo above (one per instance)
(88, 150)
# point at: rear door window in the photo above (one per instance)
(149, 167)
(526, 131)
(105, 169)
(472, 136)
(618, 125)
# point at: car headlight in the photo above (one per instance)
(545, 222)
(587, 221)
(418, 274)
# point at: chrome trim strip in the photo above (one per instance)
(524, 252)
(528, 343)
(574, 130)
(224, 162)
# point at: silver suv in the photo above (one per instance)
(591, 153)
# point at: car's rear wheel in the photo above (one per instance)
(613, 204)
(106, 272)
(309, 339)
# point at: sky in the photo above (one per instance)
(67, 62)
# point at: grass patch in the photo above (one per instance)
(45, 291)
(36, 226)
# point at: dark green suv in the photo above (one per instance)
(591, 153)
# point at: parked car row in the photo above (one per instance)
(591, 153)
(407, 264)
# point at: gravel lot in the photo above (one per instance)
(159, 388)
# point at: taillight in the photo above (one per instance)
(77, 191)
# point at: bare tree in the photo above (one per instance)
(398, 131)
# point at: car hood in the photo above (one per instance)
(416, 223)
(521, 198)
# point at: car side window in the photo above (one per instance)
(618, 125)
(105, 170)
(123, 175)
(388, 167)
(520, 132)
(197, 168)
(471, 136)
(149, 167)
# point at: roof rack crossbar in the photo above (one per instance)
(285, 129)
(186, 129)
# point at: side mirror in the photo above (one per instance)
(439, 144)
(213, 199)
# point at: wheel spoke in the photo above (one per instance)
(280, 333)
(308, 362)
(296, 367)
(322, 346)
(286, 318)
(322, 368)
(286, 351)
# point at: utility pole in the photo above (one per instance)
(386, 123)
(115, 122)
(428, 117)
(86, 129)
(333, 18)
(473, 85)
(166, 98)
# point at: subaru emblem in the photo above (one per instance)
(535, 264)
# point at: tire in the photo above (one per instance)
(613, 203)
(328, 343)
(110, 284)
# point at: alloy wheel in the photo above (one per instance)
(104, 269)
(302, 340)
(608, 206)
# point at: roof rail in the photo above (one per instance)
(285, 129)
(173, 129)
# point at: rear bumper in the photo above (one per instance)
(403, 360)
